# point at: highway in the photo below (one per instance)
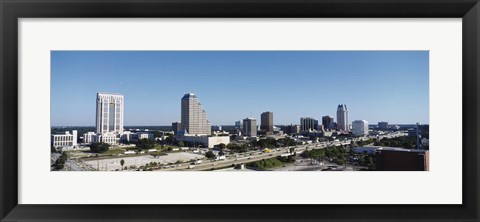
(253, 156)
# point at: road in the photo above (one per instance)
(253, 156)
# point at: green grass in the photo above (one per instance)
(265, 164)
(157, 147)
(158, 153)
(112, 152)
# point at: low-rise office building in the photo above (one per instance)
(207, 141)
(143, 135)
(89, 137)
(109, 138)
(383, 125)
(65, 140)
(176, 126)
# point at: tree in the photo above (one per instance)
(53, 150)
(145, 144)
(122, 162)
(243, 148)
(237, 148)
(210, 155)
(221, 153)
(99, 147)
(222, 146)
(60, 162)
(340, 161)
(181, 144)
(157, 134)
(169, 139)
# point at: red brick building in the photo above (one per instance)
(399, 159)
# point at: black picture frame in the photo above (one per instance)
(12, 10)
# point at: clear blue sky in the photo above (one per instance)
(377, 86)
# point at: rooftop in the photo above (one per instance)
(188, 95)
(398, 149)
(109, 93)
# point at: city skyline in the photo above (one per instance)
(377, 86)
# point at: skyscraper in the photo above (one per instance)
(109, 116)
(239, 124)
(193, 117)
(342, 118)
(250, 127)
(327, 122)
(267, 122)
(308, 124)
(293, 129)
(383, 125)
(360, 127)
(176, 126)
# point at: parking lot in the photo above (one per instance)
(114, 163)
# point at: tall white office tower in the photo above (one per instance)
(342, 118)
(109, 113)
(193, 117)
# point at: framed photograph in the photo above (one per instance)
(225, 110)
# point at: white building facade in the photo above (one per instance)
(109, 138)
(108, 121)
(109, 118)
(89, 137)
(66, 140)
(360, 127)
(143, 135)
(208, 141)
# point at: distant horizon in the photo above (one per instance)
(93, 126)
(232, 85)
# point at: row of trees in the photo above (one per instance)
(238, 148)
(99, 147)
(145, 144)
(60, 162)
(273, 143)
(367, 160)
(265, 163)
(286, 159)
(339, 155)
(404, 142)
